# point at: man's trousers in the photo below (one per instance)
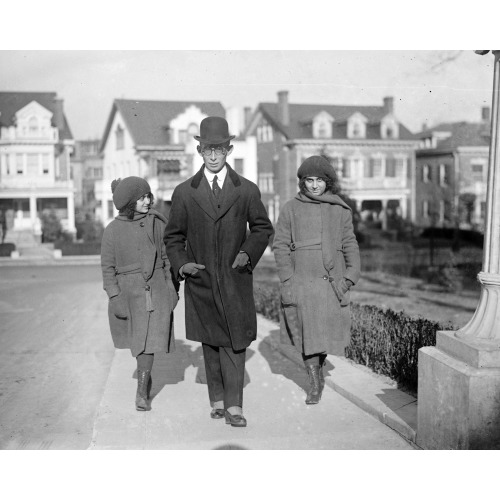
(225, 371)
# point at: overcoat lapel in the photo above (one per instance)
(199, 195)
(231, 193)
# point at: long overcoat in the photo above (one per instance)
(135, 267)
(219, 303)
(314, 248)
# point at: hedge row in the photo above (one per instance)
(383, 340)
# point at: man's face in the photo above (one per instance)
(214, 155)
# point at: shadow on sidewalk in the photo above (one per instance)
(182, 364)
(280, 365)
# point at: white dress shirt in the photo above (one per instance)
(221, 176)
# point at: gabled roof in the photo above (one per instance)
(301, 116)
(12, 102)
(462, 134)
(148, 121)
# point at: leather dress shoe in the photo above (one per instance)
(217, 413)
(235, 420)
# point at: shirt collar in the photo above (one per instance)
(221, 176)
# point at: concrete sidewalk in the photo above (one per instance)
(275, 383)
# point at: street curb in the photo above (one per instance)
(70, 260)
(357, 386)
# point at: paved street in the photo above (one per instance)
(62, 385)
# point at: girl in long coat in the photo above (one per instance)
(317, 256)
(138, 280)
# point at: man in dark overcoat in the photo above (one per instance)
(218, 230)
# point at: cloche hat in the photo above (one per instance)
(316, 166)
(127, 190)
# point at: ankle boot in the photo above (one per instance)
(315, 388)
(144, 381)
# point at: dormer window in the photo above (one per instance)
(33, 126)
(389, 128)
(322, 126)
(356, 126)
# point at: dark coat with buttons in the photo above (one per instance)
(220, 308)
(136, 270)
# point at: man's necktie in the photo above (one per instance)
(215, 187)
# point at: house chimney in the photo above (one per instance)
(284, 114)
(388, 105)
(424, 126)
(485, 114)
(247, 112)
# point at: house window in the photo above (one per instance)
(32, 165)
(346, 169)
(19, 164)
(400, 166)
(168, 166)
(266, 183)
(426, 173)
(120, 139)
(425, 209)
(357, 166)
(45, 164)
(390, 167)
(444, 175)
(483, 210)
(374, 168)
(264, 133)
(477, 171)
(33, 126)
(336, 162)
(238, 165)
(441, 211)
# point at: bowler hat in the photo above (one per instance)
(214, 130)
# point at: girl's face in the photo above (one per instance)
(142, 204)
(315, 185)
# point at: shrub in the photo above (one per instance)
(388, 342)
(51, 227)
(89, 230)
(72, 248)
(6, 249)
(385, 341)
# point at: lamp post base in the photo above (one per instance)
(459, 394)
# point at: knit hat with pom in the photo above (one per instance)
(316, 166)
(127, 190)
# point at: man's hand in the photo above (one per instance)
(242, 260)
(190, 269)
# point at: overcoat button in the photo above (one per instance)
(325, 277)
(148, 288)
(141, 224)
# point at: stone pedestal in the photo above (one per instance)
(459, 379)
(458, 402)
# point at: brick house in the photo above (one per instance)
(451, 170)
(35, 147)
(373, 153)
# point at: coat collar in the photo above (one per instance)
(231, 193)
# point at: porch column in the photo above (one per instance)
(384, 215)
(33, 213)
(459, 379)
(71, 213)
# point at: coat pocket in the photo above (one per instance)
(287, 293)
(344, 298)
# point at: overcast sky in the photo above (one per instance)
(427, 86)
